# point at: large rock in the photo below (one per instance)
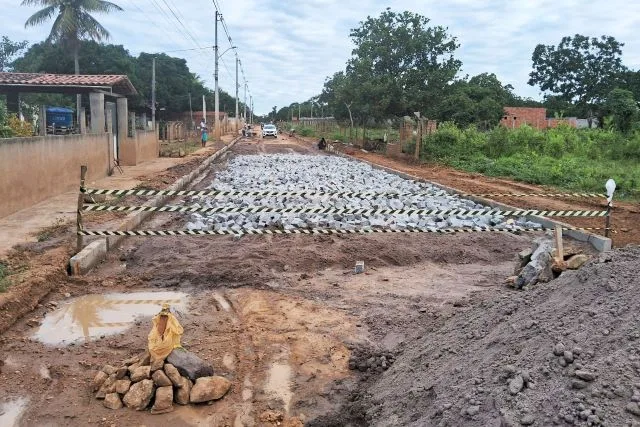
(164, 400)
(539, 268)
(112, 401)
(160, 379)
(139, 395)
(99, 379)
(189, 365)
(183, 393)
(172, 374)
(577, 261)
(123, 386)
(157, 364)
(141, 373)
(109, 386)
(209, 388)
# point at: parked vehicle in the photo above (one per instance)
(269, 130)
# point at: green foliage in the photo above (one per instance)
(174, 80)
(394, 55)
(580, 69)
(4, 277)
(8, 50)
(623, 109)
(574, 159)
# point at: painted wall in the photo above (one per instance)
(34, 169)
(144, 146)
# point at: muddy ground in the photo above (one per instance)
(280, 316)
(421, 338)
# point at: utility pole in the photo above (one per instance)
(204, 109)
(312, 109)
(298, 113)
(245, 101)
(153, 94)
(190, 112)
(216, 119)
(236, 117)
(251, 110)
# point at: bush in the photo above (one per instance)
(18, 127)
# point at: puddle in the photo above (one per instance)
(11, 411)
(92, 316)
(279, 383)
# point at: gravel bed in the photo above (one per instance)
(295, 172)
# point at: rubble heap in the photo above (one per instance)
(140, 383)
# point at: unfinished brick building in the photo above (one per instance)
(535, 117)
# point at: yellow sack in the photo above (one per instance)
(165, 334)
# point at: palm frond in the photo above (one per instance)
(44, 3)
(56, 33)
(91, 28)
(40, 16)
(100, 6)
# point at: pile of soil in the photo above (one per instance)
(561, 353)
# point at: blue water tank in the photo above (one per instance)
(60, 116)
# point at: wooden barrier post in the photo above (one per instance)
(79, 240)
(607, 220)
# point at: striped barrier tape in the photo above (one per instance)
(267, 193)
(160, 233)
(346, 211)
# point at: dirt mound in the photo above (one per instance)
(563, 353)
(170, 263)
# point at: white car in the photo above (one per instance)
(269, 130)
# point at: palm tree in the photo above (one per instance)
(72, 24)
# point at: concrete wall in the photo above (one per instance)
(148, 145)
(142, 147)
(34, 169)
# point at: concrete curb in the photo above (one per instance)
(97, 250)
(600, 243)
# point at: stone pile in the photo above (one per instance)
(139, 383)
(294, 172)
(539, 264)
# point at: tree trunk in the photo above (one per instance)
(350, 118)
(77, 72)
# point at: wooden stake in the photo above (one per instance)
(79, 240)
(559, 245)
(607, 223)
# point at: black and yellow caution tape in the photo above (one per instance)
(347, 211)
(162, 233)
(550, 195)
(268, 193)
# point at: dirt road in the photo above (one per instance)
(281, 316)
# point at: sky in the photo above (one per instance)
(288, 48)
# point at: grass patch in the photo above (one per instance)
(4, 277)
(567, 158)
(179, 149)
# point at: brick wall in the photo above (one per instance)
(517, 116)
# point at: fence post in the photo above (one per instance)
(79, 239)
(607, 223)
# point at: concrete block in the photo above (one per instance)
(88, 257)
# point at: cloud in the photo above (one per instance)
(288, 48)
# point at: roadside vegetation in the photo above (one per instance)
(388, 79)
(564, 157)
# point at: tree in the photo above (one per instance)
(580, 69)
(479, 100)
(623, 109)
(400, 63)
(72, 24)
(174, 80)
(8, 50)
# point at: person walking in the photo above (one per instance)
(203, 132)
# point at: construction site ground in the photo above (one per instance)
(428, 335)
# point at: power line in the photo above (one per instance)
(183, 26)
